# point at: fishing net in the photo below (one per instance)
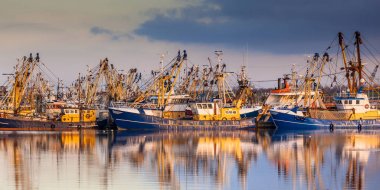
(331, 115)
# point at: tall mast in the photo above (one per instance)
(358, 41)
(294, 77)
(57, 96)
(343, 48)
(220, 77)
(79, 93)
(162, 57)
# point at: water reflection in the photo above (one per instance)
(189, 160)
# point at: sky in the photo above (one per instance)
(267, 36)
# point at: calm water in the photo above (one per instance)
(189, 160)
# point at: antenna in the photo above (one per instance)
(162, 59)
(219, 54)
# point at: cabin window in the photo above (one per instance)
(76, 111)
(350, 101)
(71, 111)
(345, 101)
(199, 106)
(209, 106)
(357, 101)
(204, 106)
(234, 112)
(66, 111)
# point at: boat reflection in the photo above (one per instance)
(190, 159)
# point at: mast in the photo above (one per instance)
(343, 48)
(23, 76)
(57, 91)
(309, 80)
(294, 79)
(79, 94)
(358, 41)
(162, 57)
(244, 90)
(325, 59)
(176, 74)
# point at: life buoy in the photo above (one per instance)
(366, 106)
(224, 118)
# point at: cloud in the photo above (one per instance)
(109, 33)
(293, 26)
(133, 33)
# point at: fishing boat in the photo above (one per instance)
(26, 103)
(354, 112)
(353, 108)
(159, 107)
(287, 95)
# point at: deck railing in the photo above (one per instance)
(133, 105)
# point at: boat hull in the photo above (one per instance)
(290, 121)
(21, 123)
(249, 112)
(138, 120)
